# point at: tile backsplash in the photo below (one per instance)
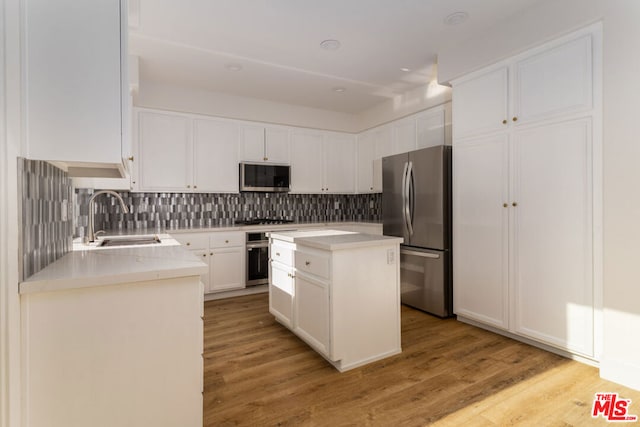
(166, 211)
(46, 227)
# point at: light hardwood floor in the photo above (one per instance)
(257, 373)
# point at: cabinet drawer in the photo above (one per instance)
(312, 263)
(223, 240)
(193, 241)
(282, 253)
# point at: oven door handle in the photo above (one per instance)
(257, 245)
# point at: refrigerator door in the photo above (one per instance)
(424, 280)
(394, 170)
(429, 202)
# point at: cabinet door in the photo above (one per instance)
(430, 128)
(306, 162)
(480, 229)
(556, 81)
(281, 293)
(404, 135)
(72, 58)
(164, 152)
(339, 163)
(252, 143)
(215, 156)
(312, 312)
(227, 269)
(480, 103)
(366, 153)
(384, 148)
(277, 145)
(553, 254)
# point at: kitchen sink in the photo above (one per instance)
(129, 241)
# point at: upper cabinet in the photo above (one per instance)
(322, 162)
(184, 153)
(75, 82)
(543, 85)
(264, 144)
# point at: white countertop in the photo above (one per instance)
(334, 239)
(89, 268)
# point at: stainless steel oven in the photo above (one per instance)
(257, 258)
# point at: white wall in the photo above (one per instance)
(10, 128)
(187, 100)
(621, 99)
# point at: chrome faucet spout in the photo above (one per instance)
(91, 234)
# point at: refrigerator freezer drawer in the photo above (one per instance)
(424, 280)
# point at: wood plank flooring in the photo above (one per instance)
(257, 373)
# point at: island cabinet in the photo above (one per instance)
(339, 292)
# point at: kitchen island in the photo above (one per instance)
(114, 337)
(339, 292)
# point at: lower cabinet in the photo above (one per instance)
(311, 308)
(224, 253)
(126, 354)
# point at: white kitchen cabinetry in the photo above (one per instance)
(264, 144)
(344, 301)
(525, 194)
(75, 83)
(541, 85)
(366, 156)
(224, 253)
(430, 127)
(127, 354)
(185, 153)
(404, 135)
(281, 289)
(322, 162)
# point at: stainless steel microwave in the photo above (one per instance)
(266, 177)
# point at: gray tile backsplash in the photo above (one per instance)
(166, 211)
(46, 230)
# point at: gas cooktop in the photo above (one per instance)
(260, 221)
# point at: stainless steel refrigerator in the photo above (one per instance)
(416, 205)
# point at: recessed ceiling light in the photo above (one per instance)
(233, 67)
(456, 18)
(330, 44)
(405, 69)
(339, 89)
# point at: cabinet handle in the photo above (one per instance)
(204, 255)
(515, 119)
(514, 204)
(504, 122)
(130, 158)
(504, 205)
(188, 186)
(277, 253)
(370, 188)
(226, 241)
(195, 186)
(188, 243)
(211, 254)
(265, 158)
(307, 263)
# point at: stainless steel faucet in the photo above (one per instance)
(91, 233)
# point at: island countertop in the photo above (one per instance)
(334, 239)
(91, 268)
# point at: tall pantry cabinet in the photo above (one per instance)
(527, 194)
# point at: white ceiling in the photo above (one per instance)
(277, 42)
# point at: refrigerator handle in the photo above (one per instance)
(404, 198)
(409, 199)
